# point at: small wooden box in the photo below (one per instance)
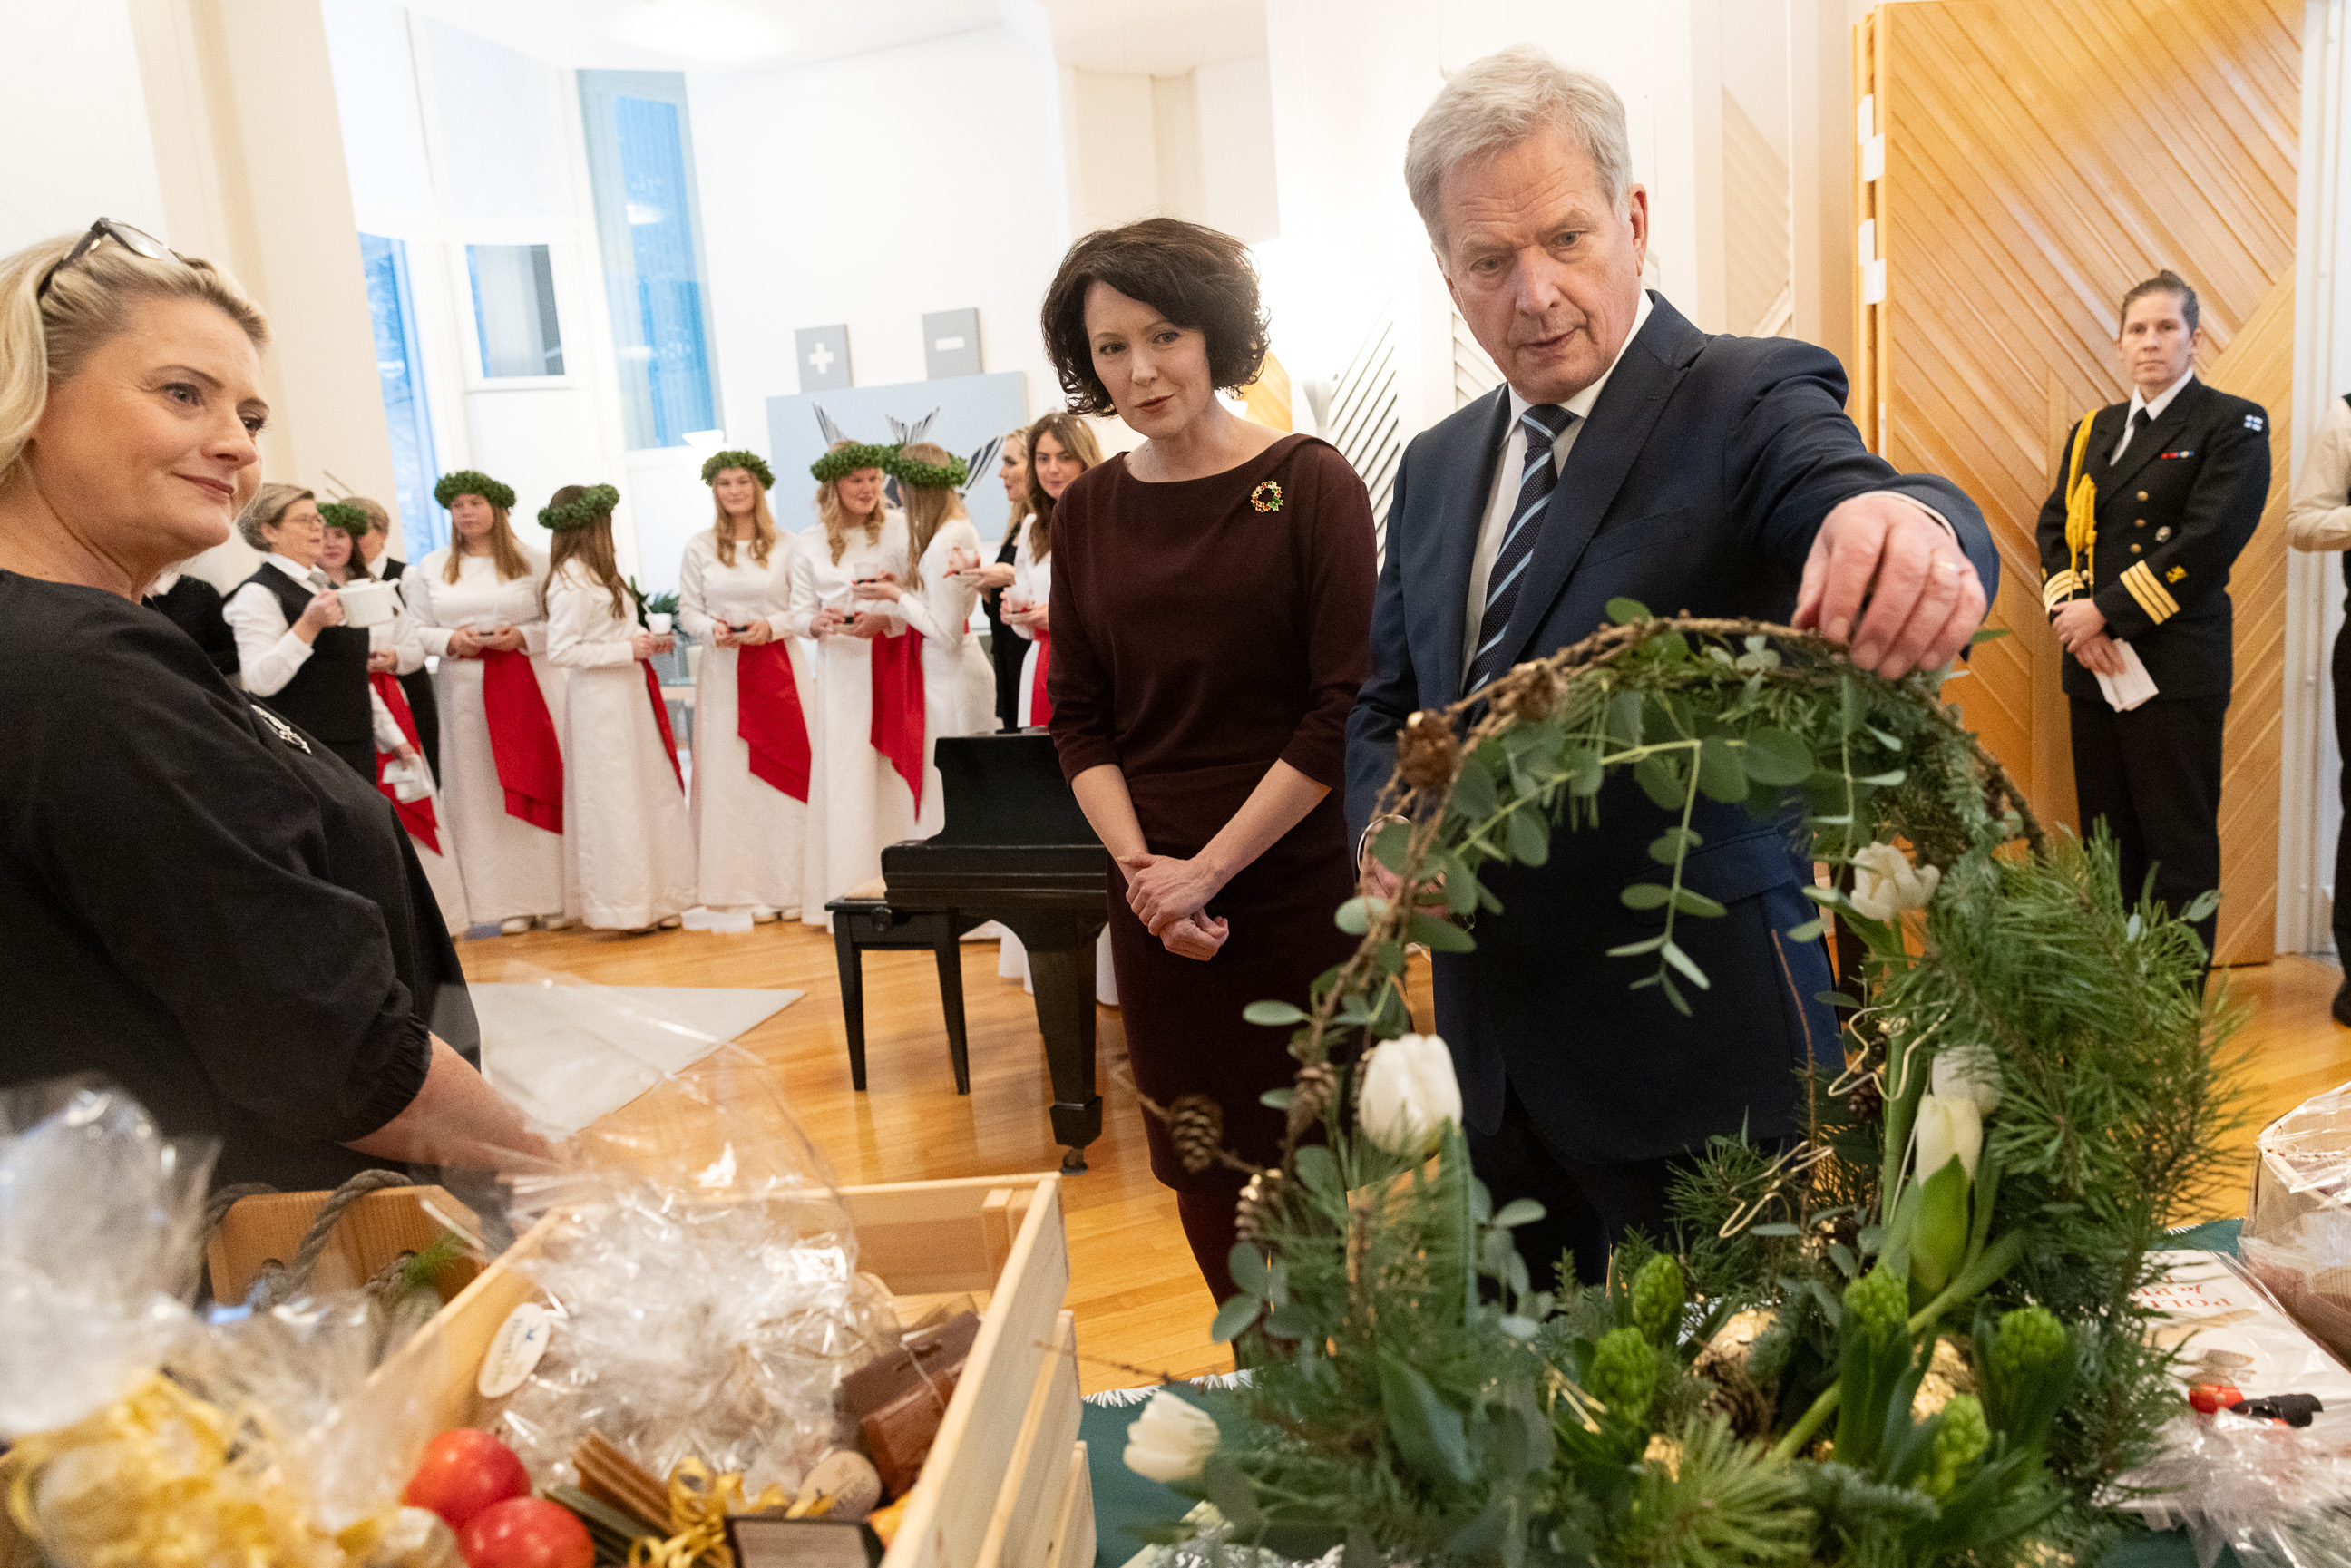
(998, 1491)
(376, 1228)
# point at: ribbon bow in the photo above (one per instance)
(698, 1507)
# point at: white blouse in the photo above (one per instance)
(709, 591)
(583, 631)
(820, 582)
(269, 655)
(479, 600)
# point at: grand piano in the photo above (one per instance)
(1015, 849)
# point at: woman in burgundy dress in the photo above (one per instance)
(1212, 610)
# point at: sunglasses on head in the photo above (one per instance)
(137, 241)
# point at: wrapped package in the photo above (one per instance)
(705, 1295)
(2274, 1492)
(143, 1433)
(2297, 1235)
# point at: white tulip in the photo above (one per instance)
(1968, 1073)
(1410, 1094)
(1948, 1127)
(1884, 882)
(1170, 1440)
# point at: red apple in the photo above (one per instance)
(526, 1532)
(464, 1471)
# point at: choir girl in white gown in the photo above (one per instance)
(480, 610)
(752, 753)
(625, 830)
(1060, 448)
(394, 649)
(858, 801)
(938, 599)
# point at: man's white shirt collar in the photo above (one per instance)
(2162, 400)
(1580, 403)
(292, 567)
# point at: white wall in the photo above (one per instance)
(74, 137)
(870, 191)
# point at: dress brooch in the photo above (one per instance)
(1267, 498)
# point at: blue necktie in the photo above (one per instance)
(1543, 423)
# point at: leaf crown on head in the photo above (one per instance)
(344, 516)
(842, 461)
(581, 510)
(474, 482)
(947, 476)
(751, 463)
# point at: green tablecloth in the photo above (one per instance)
(1124, 1501)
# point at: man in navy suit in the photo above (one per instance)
(1714, 475)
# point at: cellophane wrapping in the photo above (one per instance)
(2297, 1235)
(708, 1296)
(143, 1431)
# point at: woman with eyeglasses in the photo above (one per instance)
(200, 904)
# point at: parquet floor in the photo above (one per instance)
(1141, 1309)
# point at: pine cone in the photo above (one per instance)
(1311, 1097)
(1260, 1201)
(1531, 695)
(1868, 1100)
(1195, 1125)
(1749, 1409)
(1427, 751)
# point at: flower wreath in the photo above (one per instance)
(344, 516)
(844, 461)
(473, 482)
(947, 476)
(751, 463)
(581, 510)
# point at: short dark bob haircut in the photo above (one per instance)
(1193, 275)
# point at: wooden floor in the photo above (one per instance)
(1141, 1309)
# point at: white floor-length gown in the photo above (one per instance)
(1032, 584)
(624, 818)
(750, 837)
(509, 867)
(958, 686)
(857, 801)
(402, 637)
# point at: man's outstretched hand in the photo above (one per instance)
(1892, 584)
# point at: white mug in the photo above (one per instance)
(656, 622)
(369, 603)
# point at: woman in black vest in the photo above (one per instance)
(296, 655)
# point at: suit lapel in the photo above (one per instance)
(1466, 489)
(1596, 465)
(2155, 438)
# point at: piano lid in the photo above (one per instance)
(1006, 788)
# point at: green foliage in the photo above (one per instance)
(848, 458)
(596, 502)
(474, 482)
(751, 463)
(1415, 1398)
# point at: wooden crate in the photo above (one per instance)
(997, 1492)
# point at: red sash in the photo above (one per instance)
(522, 739)
(661, 720)
(768, 717)
(417, 815)
(896, 731)
(1040, 706)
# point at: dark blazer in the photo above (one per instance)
(1698, 485)
(2173, 516)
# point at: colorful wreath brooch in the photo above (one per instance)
(1267, 498)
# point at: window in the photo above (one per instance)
(648, 228)
(514, 309)
(401, 375)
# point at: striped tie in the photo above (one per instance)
(1543, 423)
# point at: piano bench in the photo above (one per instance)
(860, 923)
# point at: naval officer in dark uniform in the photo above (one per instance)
(2157, 496)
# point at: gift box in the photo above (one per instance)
(2297, 1232)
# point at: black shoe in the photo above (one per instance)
(2341, 1008)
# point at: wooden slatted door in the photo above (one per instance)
(2040, 157)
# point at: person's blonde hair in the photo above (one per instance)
(763, 523)
(590, 545)
(269, 505)
(835, 516)
(927, 510)
(45, 340)
(1078, 441)
(505, 549)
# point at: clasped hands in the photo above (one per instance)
(2081, 626)
(751, 636)
(1170, 896)
(465, 643)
